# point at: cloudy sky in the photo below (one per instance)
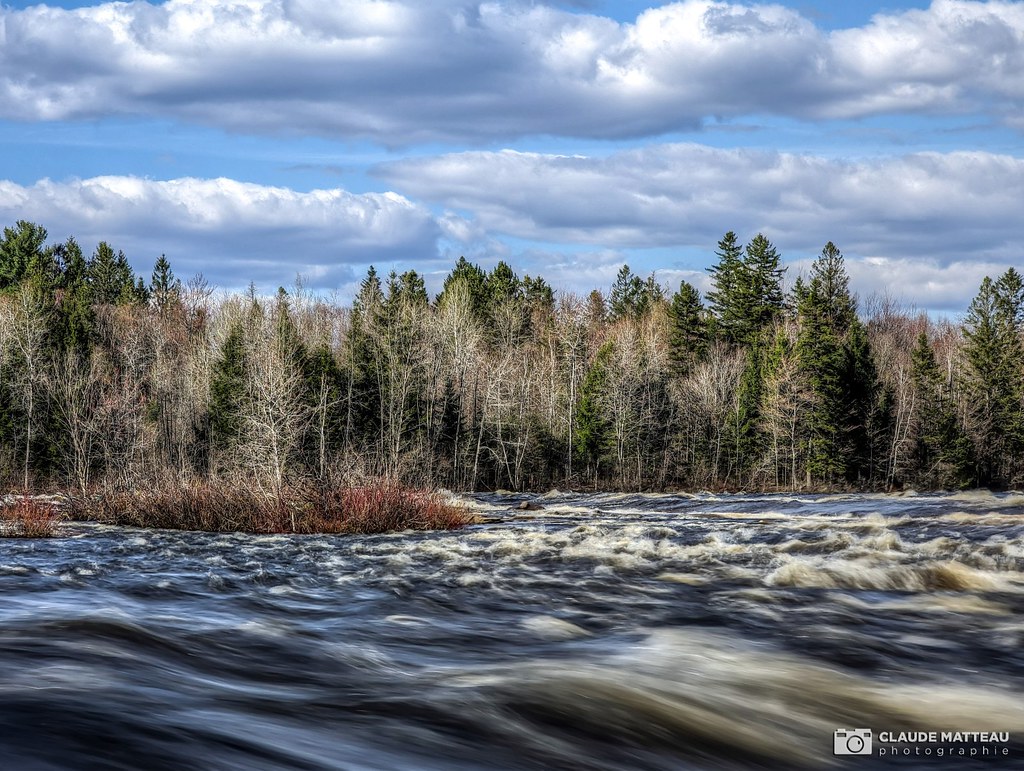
(253, 140)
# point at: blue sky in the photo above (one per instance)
(253, 140)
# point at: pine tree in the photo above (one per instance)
(836, 359)
(626, 294)
(111, 279)
(688, 331)
(538, 293)
(474, 279)
(746, 297)
(592, 437)
(633, 297)
(20, 247)
(942, 452)
(723, 299)
(227, 389)
(164, 288)
(75, 319)
(995, 358)
(503, 285)
(760, 289)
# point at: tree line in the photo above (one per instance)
(499, 381)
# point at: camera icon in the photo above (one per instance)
(852, 741)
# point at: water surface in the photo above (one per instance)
(603, 632)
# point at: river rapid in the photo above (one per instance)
(602, 632)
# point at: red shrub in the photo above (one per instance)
(224, 507)
(27, 517)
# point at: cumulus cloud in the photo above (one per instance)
(922, 283)
(961, 205)
(233, 232)
(402, 71)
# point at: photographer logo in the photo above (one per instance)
(852, 741)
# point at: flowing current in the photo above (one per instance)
(602, 632)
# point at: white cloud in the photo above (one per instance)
(233, 232)
(914, 283)
(947, 207)
(402, 71)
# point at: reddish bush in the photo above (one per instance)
(225, 507)
(381, 508)
(27, 517)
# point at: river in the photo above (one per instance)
(602, 632)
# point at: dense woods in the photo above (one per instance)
(775, 382)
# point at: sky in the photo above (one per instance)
(260, 140)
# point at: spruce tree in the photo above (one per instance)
(592, 438)
(759, 290)
(111, 280)
(746, 295)
(943, 454)
(688, 331)
(20, 247)
(227, 389)
(164, 288)
(626, 294)
(836, 360)
(364, 376)
(632, 296)
(474, 278)
(995, 358)
(75, 319)
(503, 286)
(538, 293)
(723, 299)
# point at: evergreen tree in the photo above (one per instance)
(941, 450)
(836, 359)
(744, 429)
(21, 247)
(688, 331)
(227, 389)
(111, 279)
(474, 278)
(746, 295)
(995, 358)
(503, 286)
(832, 287)
(75, 320)
(538, 293)
(626, 295)
(819, 350)
(286, 336)
(726, 279)
(760, 289)
(325, 384)
(74, 269)
(164, 288)
(632, 296)
(364, 378)
(592, 438)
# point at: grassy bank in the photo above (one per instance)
(379, 507)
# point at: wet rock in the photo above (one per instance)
(529, 506)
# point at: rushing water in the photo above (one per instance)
(603, 632)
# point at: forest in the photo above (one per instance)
(111, 381)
